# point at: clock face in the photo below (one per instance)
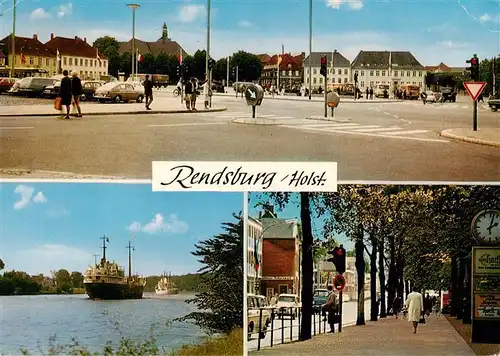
(486, 226)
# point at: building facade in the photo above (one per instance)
(281, 257)
(254, 260)
(77, 55)
(387, 67)
(338, 72)
(290, 74)
(31, 57)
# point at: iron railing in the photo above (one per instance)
(286, 330)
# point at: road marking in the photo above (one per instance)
(379, 129)
(387, 113)
(396, 116)
(16, 127)
(333, 125)
(408, 132)
(368, 134)
(190, 124)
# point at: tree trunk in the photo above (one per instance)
(453, 287)
(400, 279)
(360, 269)
(392, 271)
(407, 289)
(459, 291)
(467, 290)
(373, 279)
(381, 274)
(307, 267)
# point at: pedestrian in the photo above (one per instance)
(415, 305)
(371, 93)
(195, 93)
(65, 92)
(273, 301)
(188, 93)
(367, 93)
(76, 91)
(423, 95)
(148, 91)
(205, 93)
(396, 306)
(331, 307)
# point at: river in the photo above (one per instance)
(29, 322)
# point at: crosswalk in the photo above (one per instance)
(394, 132)
(223, 115)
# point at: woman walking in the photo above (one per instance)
(195, 93)
(65, 92)
(415, 305)
(76, 89)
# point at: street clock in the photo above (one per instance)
(485, 227)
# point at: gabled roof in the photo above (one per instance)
(264, 58)
(440, 67)
(380, 59)
(168, 47)
(338, 59)
(279, 228)
(287, 61)
(28, 46)
(73, 47)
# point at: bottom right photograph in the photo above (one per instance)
(374, 270)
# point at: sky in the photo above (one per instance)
(50, 226)
(435, 31)
(292, 211)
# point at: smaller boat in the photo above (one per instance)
(166, 286)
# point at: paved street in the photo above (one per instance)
(349, 315)
(370, 141)
(383, 337)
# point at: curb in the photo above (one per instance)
(334, 119)
(320, 101)
(142, 112)
(265, 121)
(448, 134)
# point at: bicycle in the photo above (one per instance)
(177, 92)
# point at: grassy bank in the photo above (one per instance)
(231, 344)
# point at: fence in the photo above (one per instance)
(270, 331)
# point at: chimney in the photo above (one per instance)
(35, 37)
(85, 39)
(52, 36)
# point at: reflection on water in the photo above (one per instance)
(30, 321)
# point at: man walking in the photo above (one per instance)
(76, 89)
(148, 91)
(331, 307)
(415, 305)
(65, 92)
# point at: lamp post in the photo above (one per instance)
(13, 57)
(133, 7)
(207, 58)
(310, 46)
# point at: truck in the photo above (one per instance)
(159, 80)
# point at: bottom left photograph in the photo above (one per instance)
(114, 268)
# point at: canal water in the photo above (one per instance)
(29, 322)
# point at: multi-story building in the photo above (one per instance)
(254, 261)
(387, 67)
(443, 68)
(339, 69)
(280, 255)
(77, 55)
(31, 57)
(290, 74)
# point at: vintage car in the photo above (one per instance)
(119, 92)
(52, 90)
(319, 298)
(256, 303)
(32, 86)
(89, 88)
(6, 84)
(289, 305)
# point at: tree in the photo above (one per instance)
(2, 265)
(199, 64)
(126, 63)
(148, 64)
(76, 279)
(220, 70)
(220, 304)
(109, 47)
(249, 65)
(63, 281)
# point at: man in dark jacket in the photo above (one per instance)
(77, 90)
(148, 91)
(65, 92)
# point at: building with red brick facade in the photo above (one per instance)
(291, 70)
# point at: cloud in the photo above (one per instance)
(190, 12)
(159, 224)
(26, 193)
(453, 44)
(39, 14)
(245, 24)
(489, 18)
(353, 4)
(65, 9)
(57, 213)
(40, 198)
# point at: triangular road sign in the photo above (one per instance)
(474, 89)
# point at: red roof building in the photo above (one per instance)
(291, 71)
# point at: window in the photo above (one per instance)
(329, 70)
(414, 73)
(362, 73)
(340, 71)
(91, 63)
(362, 84)
(47, 62)
(320, 80)
(39, 61)
(419, 74)
(70, 61)
(297, 73)
(333, 80)
(289, 73)
(307, 80)
(339, 81)
(283, 72)
(346, 72)
(314, 80)
(408, 73)
(31, 61)
(371, 84)
(86, 63)
(65, 61)
(81, 62)
(104, 63)
(383, 73)
(395, 73)
(315, 71)
(345, 80)
(53, 62)
(371, 73)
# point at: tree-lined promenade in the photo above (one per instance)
(419, 234)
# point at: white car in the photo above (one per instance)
(432, 97)
(288, 304)
(256, 322)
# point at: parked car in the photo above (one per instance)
(319, 298)
(33, 86)
(288, 304)
(432, 97)
(119, 92)
(218, 87)
(448, 94)
(52, 90)
(255, 321)
(6, 84)
(89, 88)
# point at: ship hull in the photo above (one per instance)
(109, 291)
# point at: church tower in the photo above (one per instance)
(164, 32)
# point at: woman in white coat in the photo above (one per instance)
(415, 306)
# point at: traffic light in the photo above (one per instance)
(474, 68)
(179, 70)
(338, 258)
(323, 66)
(211, 63)
(355, 77)
(234, 71)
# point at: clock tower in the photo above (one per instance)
(164, 32)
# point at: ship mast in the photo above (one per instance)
(104, 240)
(130, 249)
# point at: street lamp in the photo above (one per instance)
(208, 76)
(13, 62)
(310, 46)
(133, 7)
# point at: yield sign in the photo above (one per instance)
(474, 89)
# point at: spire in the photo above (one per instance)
(164, 32)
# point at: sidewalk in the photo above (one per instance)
(160, 105)
(384, 337)
(485, 136)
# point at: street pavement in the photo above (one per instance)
(386, 336)
(349, 316)
(371, 141)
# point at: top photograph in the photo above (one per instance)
(390, 90)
